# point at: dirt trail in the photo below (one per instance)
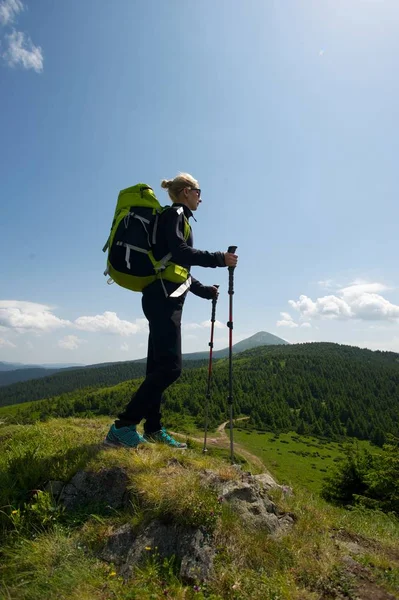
(362, 579)
(223, 441)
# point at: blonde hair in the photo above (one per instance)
(176, 185)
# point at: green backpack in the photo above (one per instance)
(130, 261)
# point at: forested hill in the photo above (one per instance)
(14, 373)
(320, 388)
(68, 380)
(25, 374)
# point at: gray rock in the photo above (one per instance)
(267, 482)
(106, 487)
(187, 544)
(248, 497)
(54, 488)
(285, 521)
(118, 545)
(255, 510)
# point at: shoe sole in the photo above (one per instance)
(120, 445)
(167, 445)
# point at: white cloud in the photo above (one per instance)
(109, 322)
(326, 283)
(322, 52)
(190, 326)
(286, 316)
(304, 305)
(218, 324)
(21, 51)
(203, 325)
(125, 347)
(356, 301)
(373, 307)
(29, 316)
(70, 342)
(20, 48)
(327, 307)
(6, 343)
(142, 324)
(359, 287)
(287, 321)
(9, 9)
(25, 317)
(305, 325)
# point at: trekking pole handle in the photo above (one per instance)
(231, 250)
(214, 300)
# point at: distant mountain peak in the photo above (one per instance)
(261, 338)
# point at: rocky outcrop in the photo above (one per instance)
(193, 547)
(107, 487)
(248, 498)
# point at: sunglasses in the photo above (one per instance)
(197, 190)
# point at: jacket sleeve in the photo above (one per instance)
(182, 253)
(200, 290)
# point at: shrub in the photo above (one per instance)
(371, 480)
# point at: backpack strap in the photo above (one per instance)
(179, 210)
(163, 263)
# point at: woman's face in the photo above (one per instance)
(192, 197)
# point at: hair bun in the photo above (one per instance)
(166, 183)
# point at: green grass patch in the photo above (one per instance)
(10, 411)
(294, 459)
(47, 554)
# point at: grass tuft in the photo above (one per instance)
(48, 554)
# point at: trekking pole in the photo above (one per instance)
(208, 388)
(231, 250)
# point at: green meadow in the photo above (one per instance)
(49, 553)
(293, 459)
(9, 412)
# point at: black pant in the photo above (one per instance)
(164, 360)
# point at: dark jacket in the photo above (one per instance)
(170, 238)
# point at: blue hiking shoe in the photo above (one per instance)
(124, 436)
(163, 437)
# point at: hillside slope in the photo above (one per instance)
(68, 380)
(26, 374)
(320, 388)
(14, 373)
(216, 538)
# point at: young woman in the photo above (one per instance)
(162, 303)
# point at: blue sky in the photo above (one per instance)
(285, 111)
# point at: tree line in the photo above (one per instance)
(322, 389)
(365, 479)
